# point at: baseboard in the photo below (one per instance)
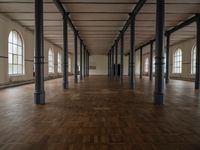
(24, 82)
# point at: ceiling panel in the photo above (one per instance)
(99, 21)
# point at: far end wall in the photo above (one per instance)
(99, 64)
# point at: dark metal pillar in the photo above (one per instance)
(197, 80)
(141, 62)
(65, 51)
(112, 64)
(167, 58)
(75, 58)
(132, 54)
(88, 63)
(159, 65)
(39, 95)
(81, 60)
(129, 62)
(108, 64)
(122, 59)
(151, 61)
(110, 68)
(116, 60)
(84, 62)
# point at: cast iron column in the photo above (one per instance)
(81, 60)
(75, 58)
(122, 59)
(159, 65)
(151, 61)
(108, 64)
(39, 95)
(129, 66)
(141, 55)
(112, 52)
(87, 63)
(167, 58)
(197, 80)
(116, 60)
(65, 51)
(84, 62)
(132, 54)
(111, 63)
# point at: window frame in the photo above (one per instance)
(18, 43)
(146, 65)
(51, 61)
(177, 61)
(153, 63)
(59, 61)
(193, 60)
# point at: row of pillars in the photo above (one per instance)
(39, 95)
(159, 55)
(84, 59)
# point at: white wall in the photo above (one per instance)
(6, 25)
(186, 48)
(101, 63)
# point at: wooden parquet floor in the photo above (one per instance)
(99, 114)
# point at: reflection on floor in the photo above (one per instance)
(98, 114)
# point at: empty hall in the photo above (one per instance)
(99, 75)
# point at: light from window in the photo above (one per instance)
(177, 64)
(51, 60)
(193, 60)
(146, 67)
(69, 64)
(154, 61)
(59, 63)
(15, 54)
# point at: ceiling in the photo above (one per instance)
(100, 21)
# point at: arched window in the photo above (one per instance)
(146, 65)
(15, 54)
(69, 64)
(177, 64)
(59, 63)
(193, 60)
(51, 60)
(154, 61)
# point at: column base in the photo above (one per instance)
(158, 98)
(65, 85)
(39, 98)
(197, 85)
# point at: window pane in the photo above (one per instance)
(14, 59)
(14, 37)
(19, 50)
(177, 64)
(20, 60)
(15, 53)
(10, 37)
(14, 69)
(51, 60)
(9, 48)
(19, 69)
(14, 49)
(10, 68)
(10, 59)
(19, 42)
